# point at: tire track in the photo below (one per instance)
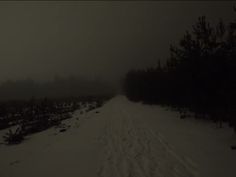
(133, 150)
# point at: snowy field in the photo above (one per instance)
(124, 139)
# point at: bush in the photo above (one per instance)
(14, 137)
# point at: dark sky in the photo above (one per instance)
(93, 39)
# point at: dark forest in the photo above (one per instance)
(199, 75)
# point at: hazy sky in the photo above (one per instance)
(93, 39)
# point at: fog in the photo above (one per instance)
(93, 88)
(93, 40)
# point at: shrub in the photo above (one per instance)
(15, 137)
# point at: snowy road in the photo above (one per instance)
(134, 150)
(122, 139)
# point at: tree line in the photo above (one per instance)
(199, 75)
(59, 87)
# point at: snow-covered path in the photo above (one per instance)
(134, 150)
(122, 139)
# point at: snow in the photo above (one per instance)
(124, 139)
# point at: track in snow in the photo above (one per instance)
(133, 150)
